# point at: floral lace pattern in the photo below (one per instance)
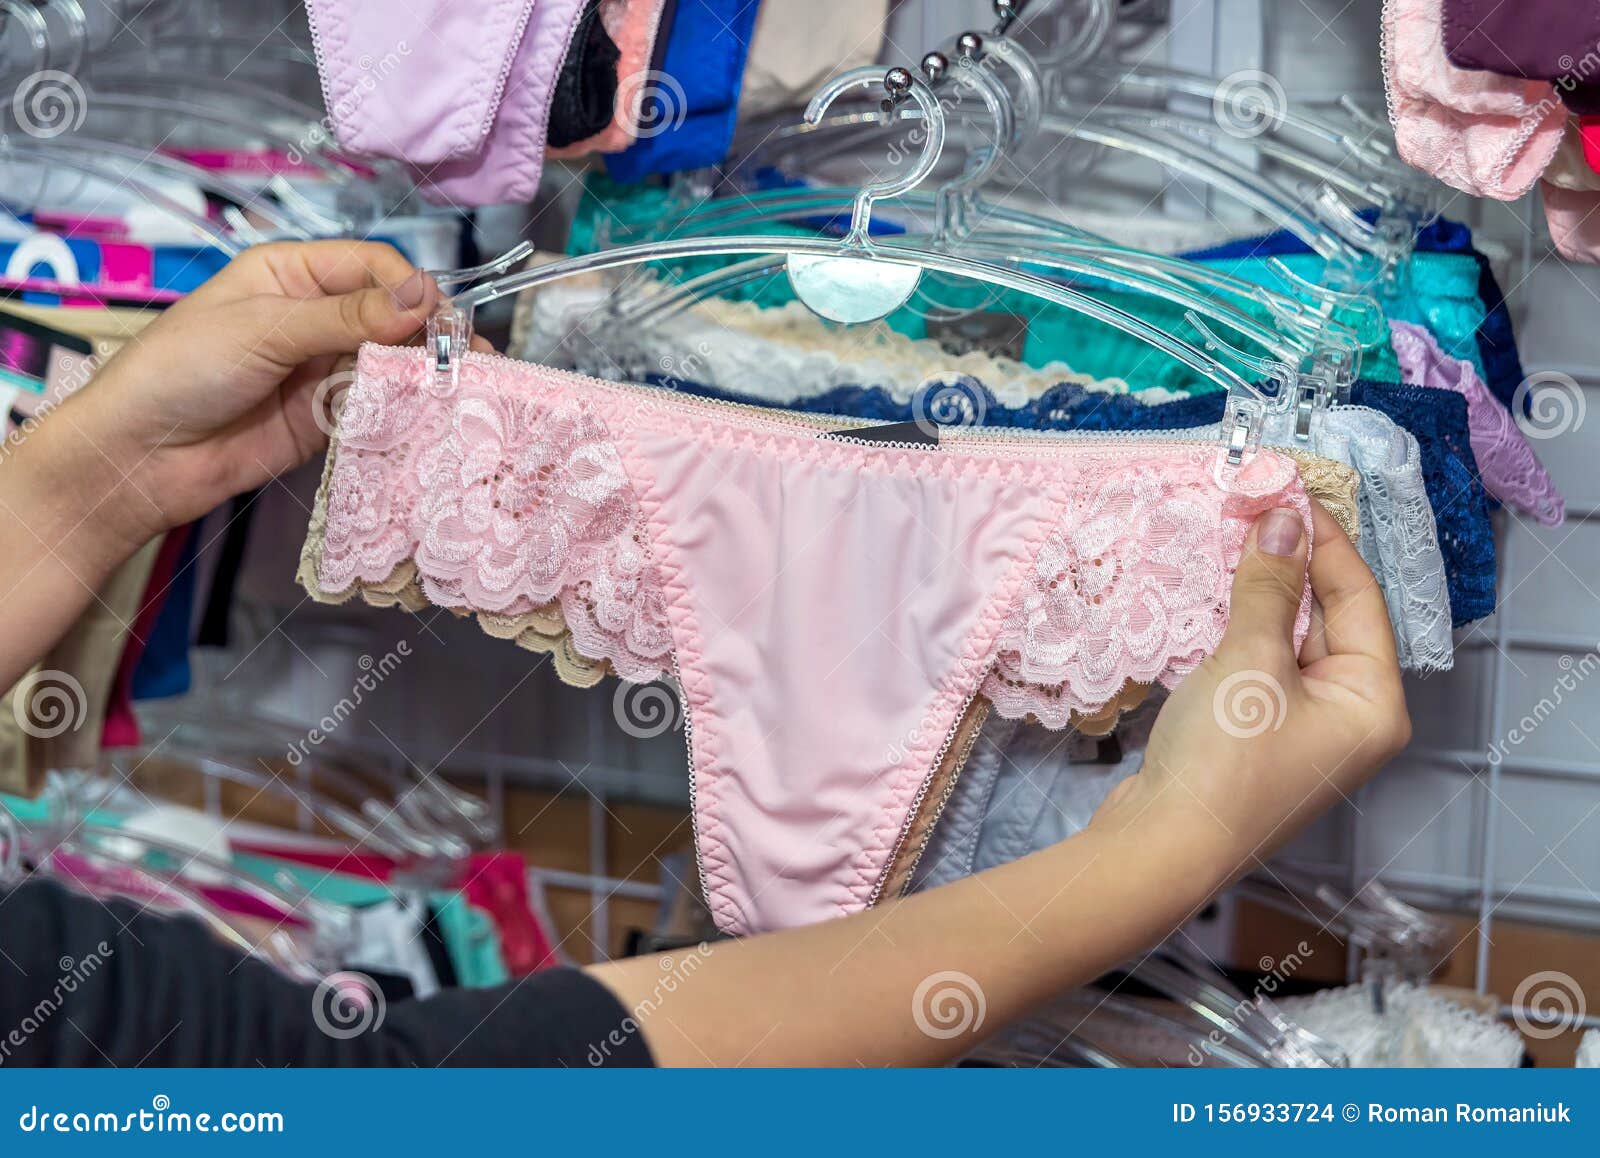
(510, 500)
(1511, 472)
(1482, 133)
(1399, 539)
(509, 505)
(1129, 586)
(780, 355)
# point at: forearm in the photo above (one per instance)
(844, 992)
(66, 524)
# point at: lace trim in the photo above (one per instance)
(1399, 540)
(1511, 471)
(778, 355)
(1334, 485)
(1419, 1027)
(510, 502)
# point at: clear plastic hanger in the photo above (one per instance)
(1311, 325)
(384, 833)
(425, 802)
(1239, 182)
(67, 828)
(121, 164)
(859, 276)
(52, 157)
(955, 207)
(435, 817)
(1213, 999)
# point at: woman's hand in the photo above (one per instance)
(1257, 741)
(216, 396)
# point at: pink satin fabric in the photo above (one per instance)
(829, 606)
(462, 97)
(419, 83)
(1573, 216)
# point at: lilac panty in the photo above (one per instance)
(831, 608)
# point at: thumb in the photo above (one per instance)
(304, 328)
(1267, 587)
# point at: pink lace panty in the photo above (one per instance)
(832, 609)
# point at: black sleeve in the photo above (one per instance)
(89, 983)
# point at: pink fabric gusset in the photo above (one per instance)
(1573, 216)
(422, 88)
(633, 26)
(508, 167)
(1510, 469)
(830, 607)
(1482, 133)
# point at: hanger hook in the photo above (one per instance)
(953, 198)
(77, 25)
(901, 85)
(1086, 39)
(33, 26)
(1030, 99)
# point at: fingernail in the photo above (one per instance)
(408, 295)
(1278, 532)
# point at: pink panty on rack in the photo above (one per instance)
(832, 609)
